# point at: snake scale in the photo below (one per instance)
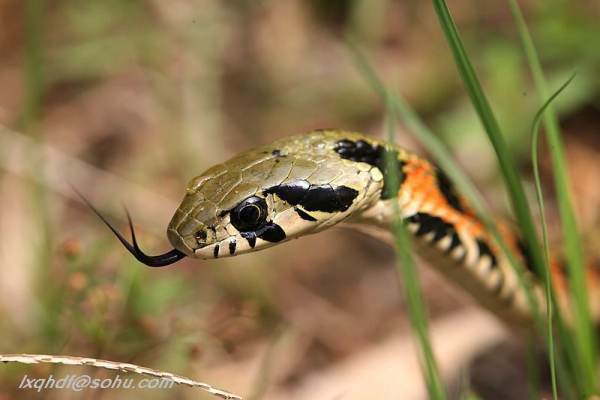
(305, 184)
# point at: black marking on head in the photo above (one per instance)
(271, 233)
(484, 249)
(250, 237)
(359, 151)
(320, 198)
(232, 244)
(328, 199)
(447, 189)
(292, 192)
(345, 196)
(324, 198)
(216, 251)
(277, 153)
(304, 215)
(377, 156)
(344, 144)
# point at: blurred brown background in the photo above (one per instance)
(128, 100)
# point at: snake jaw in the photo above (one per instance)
(161, 260)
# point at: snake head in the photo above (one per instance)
(291, 188)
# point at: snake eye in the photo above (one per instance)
(249, 215)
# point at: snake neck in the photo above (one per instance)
(446, 231)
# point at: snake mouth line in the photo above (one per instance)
(161, 260)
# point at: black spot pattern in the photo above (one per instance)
(360, 151)
(232, 245)
(377, 156)
(428, 223)
(454, 243)
(484, 249)
(447, 189)
(216, 251)
(325, 198)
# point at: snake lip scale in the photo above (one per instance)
(307, 183)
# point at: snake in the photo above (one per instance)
(305, 184)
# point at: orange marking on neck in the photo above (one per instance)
(421, 181)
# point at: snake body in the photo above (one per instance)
(304, 184)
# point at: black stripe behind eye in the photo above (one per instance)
(328, 199)
(320, 198)
(325, 198)
(292, 192)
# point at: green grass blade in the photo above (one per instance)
(584, 333)
(540, 199)
(406, 265)
(507, 165)
(408, 273)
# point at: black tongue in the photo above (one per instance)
(160, 260)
